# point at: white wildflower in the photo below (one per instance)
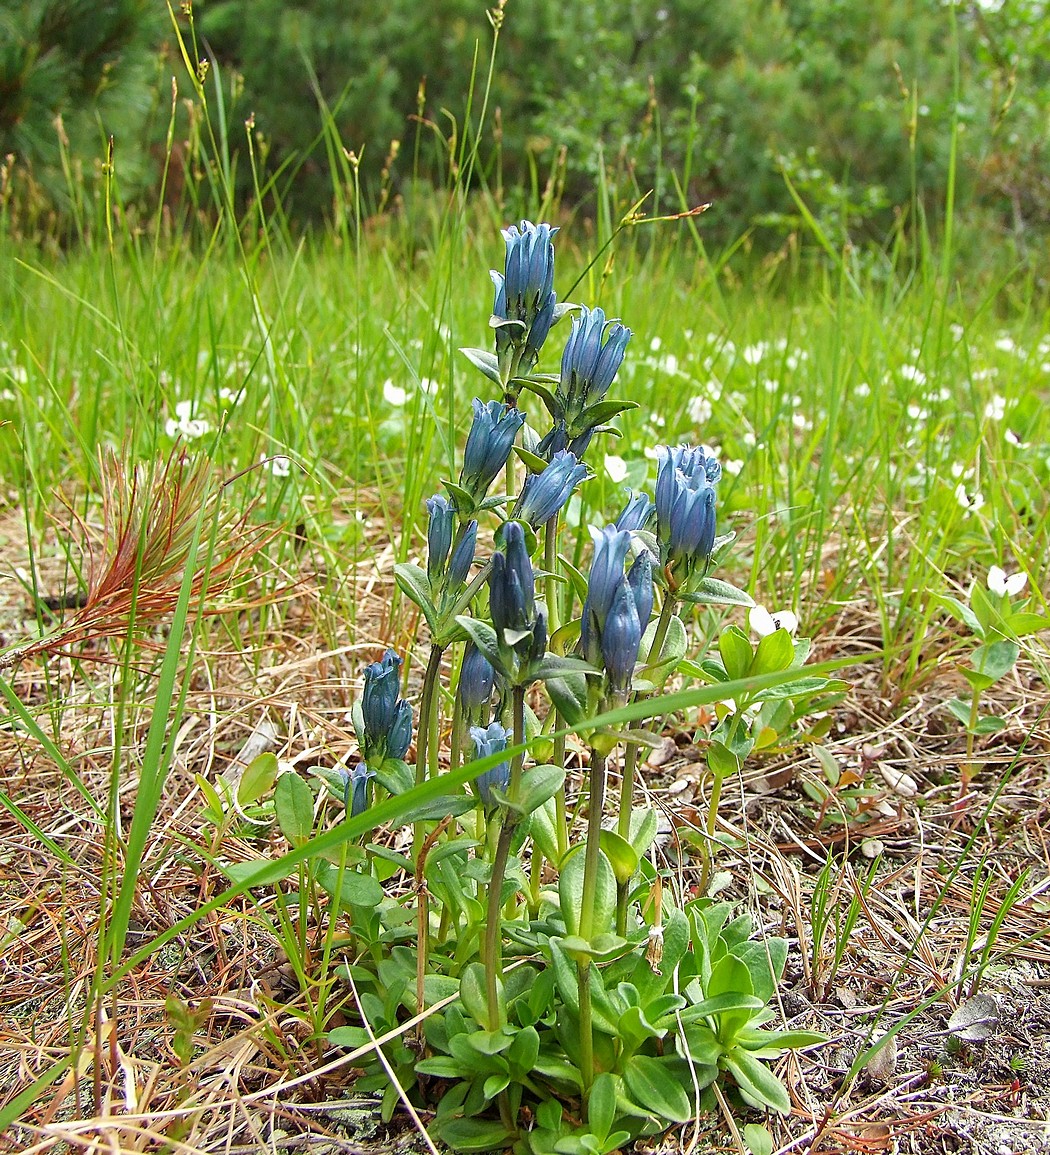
(1000, 583)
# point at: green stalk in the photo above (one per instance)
(712, 814)
(493, 955)
(550, 582)
(666, 613)
(623, 828)
(426, 753)
(561, 823)
(592, 859)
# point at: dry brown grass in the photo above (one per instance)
(257, 1081)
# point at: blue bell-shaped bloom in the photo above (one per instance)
(544, 494)
(492, 740)
(440, 527)
(685, 508)
(489, 443)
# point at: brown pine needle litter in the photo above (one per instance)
(156, 522)
(234, 1065)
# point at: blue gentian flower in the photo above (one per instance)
(621, 637)
(379, 698)
(399, 737)
(384, 721)
(489, 443)
(525, 292)
(617, 608)
(592, 357)
(512, 584)
(463, 555)
(637, 514)
(588, 365)
(490, 741)
(476, 680)
(439, 535)
(355, 798)
(544, 494)
(685, 509)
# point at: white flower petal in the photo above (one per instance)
(764, 623)
(997, 580)
(394, 394)
(615, 467)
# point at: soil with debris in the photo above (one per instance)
(965, 997)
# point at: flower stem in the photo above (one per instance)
(666, 613)
(623, 828)
(493, 954)
(426, 753)
(550, 582)
(708, 852)
(592, 860)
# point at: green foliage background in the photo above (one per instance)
(698, 100)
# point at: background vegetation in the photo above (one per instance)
(869, 110)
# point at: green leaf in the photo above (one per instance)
(355, 888)
(294, 806)
(539, 784)
(445, 806)
(415, 585)
(655, 672)
(986, 611)
(961, 612)
(721, 761)
(555, 666)
(757, 1139)
(758, 1085)
(652, 1085)
(601, 1105)
(1021, 624)
(995, 659)
(544, 392)
(486, 361)
(603, 411)
(721, 1004)
(989, 725)
(621, 854)
(484, 637)
(570, 891)
(474, 1134)
(644, 826)
(258, 779)
(776, 652)
(533, 461)
(569, 695)
(543, 831)
(237, 872)
(395, 776)
(472, 993)
(737, 654)
(715, 592)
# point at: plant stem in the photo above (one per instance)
(550, 561)
(592, 861)
(561, 824)
(426, 753)
(493, 954)
(712, 815)
(623, 828)
(666, 613)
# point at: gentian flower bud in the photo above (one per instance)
(587, 366)
(640, 579)
(685, 507)
(356, 797)
(603, 583)
(476, 679)
(621, 637)
(489, 443)
(384, 723)
(439, 535)
(490, 741)
(512, 584)
(637, 513)
(399, 737)
(379, 698)
(525, 291)
(544, 494)
(463, 556)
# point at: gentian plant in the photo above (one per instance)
(582, 1007)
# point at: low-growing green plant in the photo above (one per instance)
(997, 628)
(583, 998)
